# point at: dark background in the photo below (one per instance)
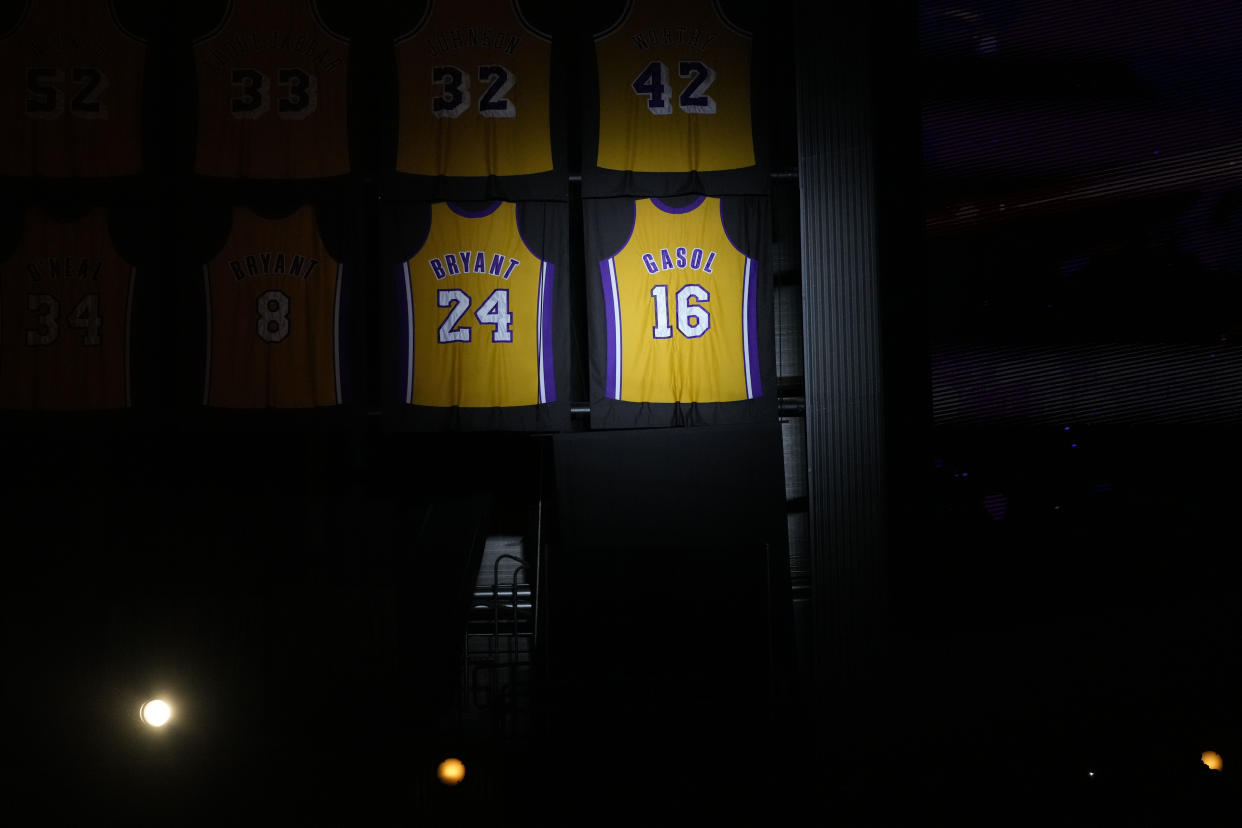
(1059, 619)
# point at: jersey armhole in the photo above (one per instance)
(527, 25)
(21, 20)
(621, 21)
(116, 21)
(314, 10)
(417, 28)
(219, 27)
(724, 224)
(629, 236)
(729, 24)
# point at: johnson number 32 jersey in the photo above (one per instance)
(473, 87)
(482, 308)
(65, 317)
(273, 303)
(680, 307)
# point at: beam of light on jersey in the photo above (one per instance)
(155, 712)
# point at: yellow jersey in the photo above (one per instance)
(65, 301)
(473, 82)
(70, 92)
(680, 308)
(272, 94)
(273, 304)
(674, 89)
(481, 305)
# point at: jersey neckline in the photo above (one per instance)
(467, 213)
(668, 208)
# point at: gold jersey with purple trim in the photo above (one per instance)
(70, 92)
(674, 89)
(274, 307)
(65, 301)
(474, 92)
(481, 306)
(680, 306)
(272, 94)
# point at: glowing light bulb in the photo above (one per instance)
(1212, 759)
(451, 771)
(156, 713)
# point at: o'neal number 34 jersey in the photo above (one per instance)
(680, 306)
(481, 304)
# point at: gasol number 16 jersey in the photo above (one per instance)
(680, 309)
(481, 305)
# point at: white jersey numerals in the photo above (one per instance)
(84, 317)
(453, 87)
(653, 82)
(299, 93)
(273, 322)
(47, 87)
(693, 318)
(494, 311)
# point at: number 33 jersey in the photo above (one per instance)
(274, 308)
(482, 307)
(65, 317)
(272, 94)
(680, 307)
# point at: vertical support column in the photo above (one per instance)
(842, 346)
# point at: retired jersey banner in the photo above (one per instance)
(670, 104)
(272, 94)
(680, 311)
(479, 337)
(71, 79)
(475, 81)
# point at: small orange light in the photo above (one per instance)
(451, 771)
(1212, 759)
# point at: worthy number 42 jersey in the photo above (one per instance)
(681, 308)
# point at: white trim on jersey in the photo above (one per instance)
(409, 340)
(318, 18)
(116, 21)
(207, 361)
(418, 26)
(729, 24)
(129, 330)
(616, 326)
(543, 286)
(747, 298)
(526, 24)
(21, 21)
(336, 332)
(621, 21)
(219, 27)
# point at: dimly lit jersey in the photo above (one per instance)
(272, 94)
(273, 300)
(481, 304)
(473, 87)
(680, 309)
(70, 88)
(64, 317)
(674, 89)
